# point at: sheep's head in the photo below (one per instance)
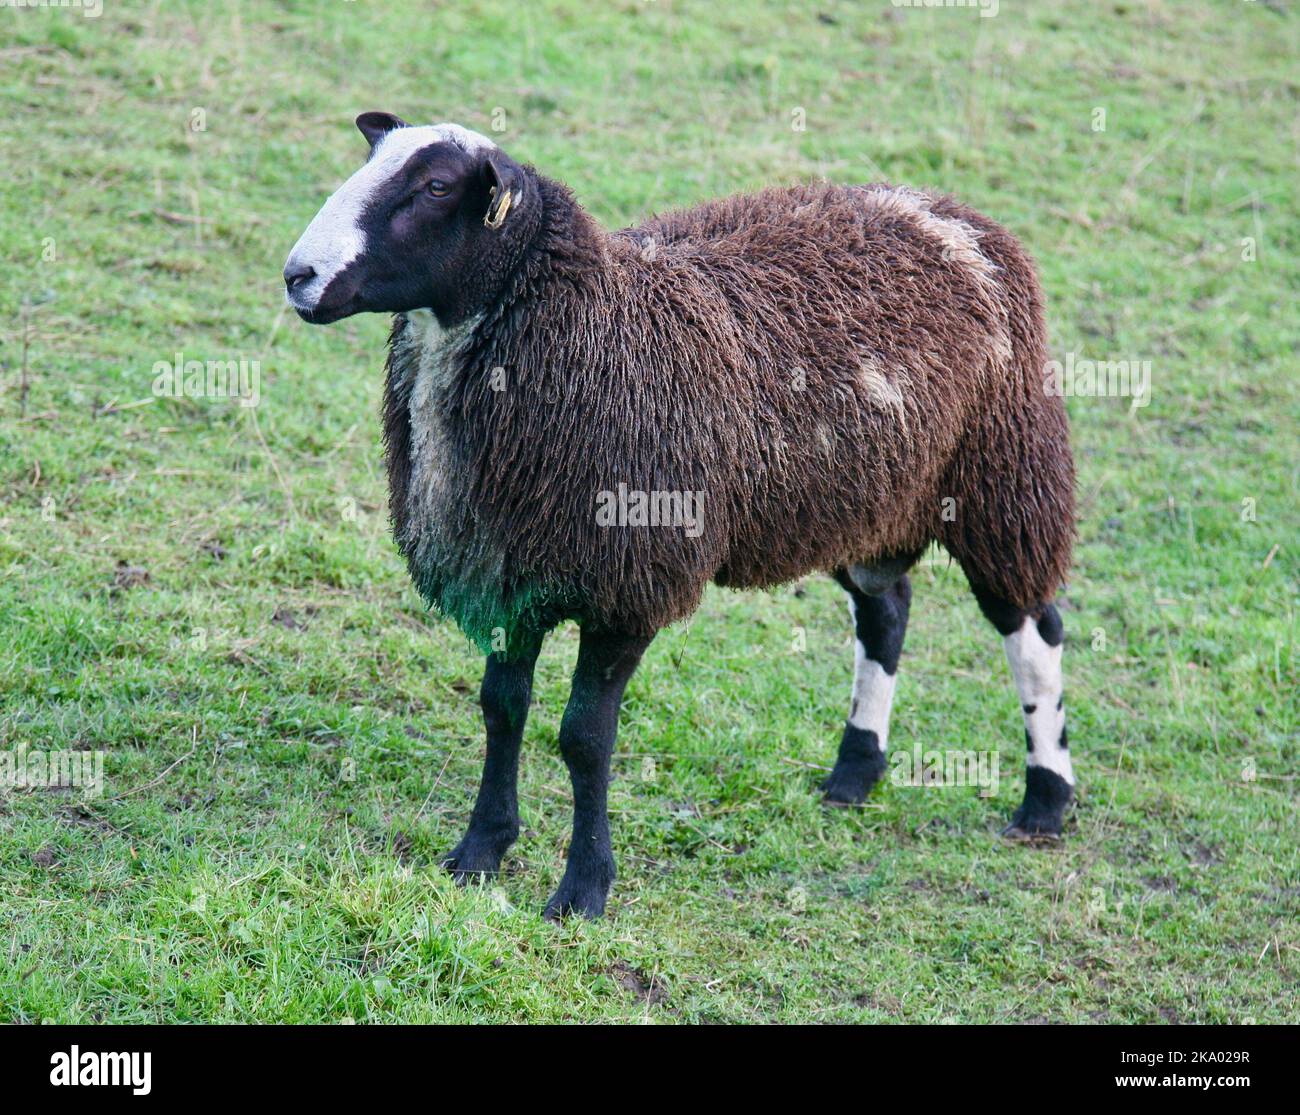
(431, 221)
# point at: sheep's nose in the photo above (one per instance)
(295, 274)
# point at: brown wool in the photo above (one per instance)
(847, 374)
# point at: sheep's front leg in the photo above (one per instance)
(494, 824)
(606, 661)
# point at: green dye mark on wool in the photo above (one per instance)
(495, 622)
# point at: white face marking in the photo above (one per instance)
(873, 690)
(335, 237)
(1037, 670)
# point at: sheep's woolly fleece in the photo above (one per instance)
(845, 374)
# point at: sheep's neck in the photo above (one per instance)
(430, 362)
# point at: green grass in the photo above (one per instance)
(277, 794)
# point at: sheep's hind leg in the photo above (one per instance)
(606, 660)
(1034, 642)
(494, 824)
(879, 600)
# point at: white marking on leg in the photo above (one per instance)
(873, 690)
(1036, 667)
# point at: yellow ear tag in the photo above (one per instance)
(496, 216)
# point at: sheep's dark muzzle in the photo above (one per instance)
(324, 315)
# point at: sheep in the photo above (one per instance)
(835, 378)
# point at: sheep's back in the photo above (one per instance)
(869, 331)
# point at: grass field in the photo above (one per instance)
(208, 594)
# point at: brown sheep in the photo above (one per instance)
(593, 426)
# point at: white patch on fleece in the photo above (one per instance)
(335, 237)
(873, 690)
(1037, 670)
(429, 349)
(881, 387)
(960, 242)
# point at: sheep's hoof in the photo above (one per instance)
(1042, 814)
(591, 905)
(1034, 827)
(858, 768)
(850, 783)
(1017, 834)
(844, 791)
(473, 859)
(585, 896)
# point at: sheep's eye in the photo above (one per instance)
(438, 188)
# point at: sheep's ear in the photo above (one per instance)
(375, 125)
(505, 182)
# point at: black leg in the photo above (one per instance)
(880, 601)
(494, 824)
(606, 661)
